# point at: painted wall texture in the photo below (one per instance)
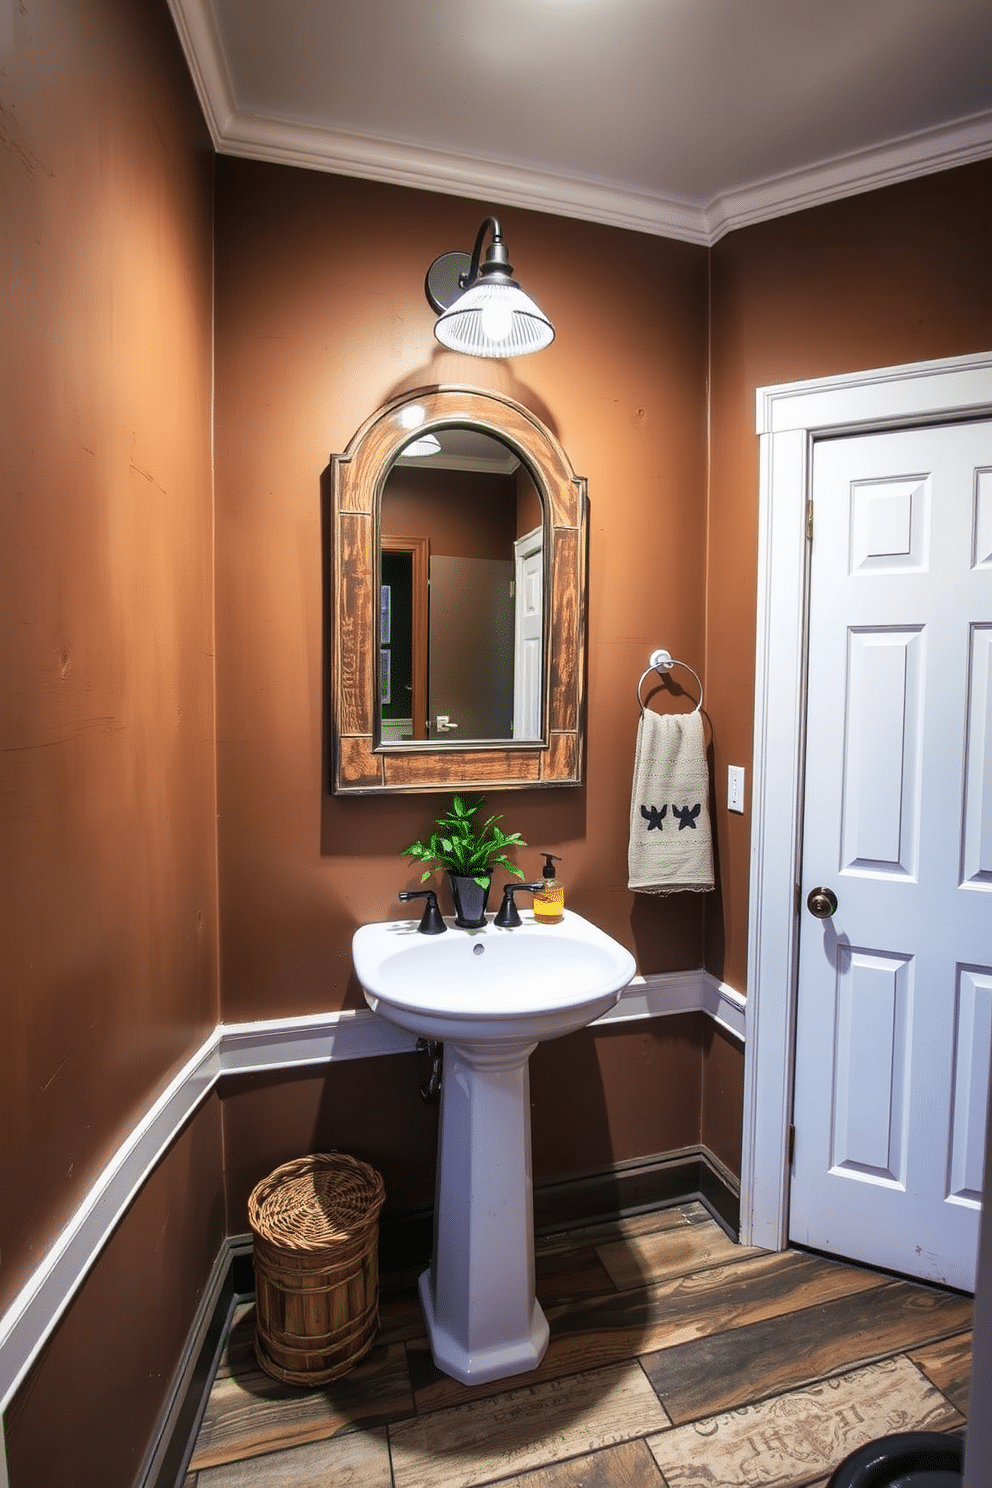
(108, 893)
(117, 851)
(898, 275)
(321, 317)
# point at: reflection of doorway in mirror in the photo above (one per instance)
(402, 639)
(471, 502)
(395, 698)
(528, 633)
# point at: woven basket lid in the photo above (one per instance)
(317, 1200)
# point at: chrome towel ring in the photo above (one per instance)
(662, 662)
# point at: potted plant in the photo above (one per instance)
(468, 853)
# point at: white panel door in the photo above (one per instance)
(528, 652)
(894, 1011)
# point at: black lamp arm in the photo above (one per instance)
(497, 259)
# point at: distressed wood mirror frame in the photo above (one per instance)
(362, 764)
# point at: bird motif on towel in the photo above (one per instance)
(653, 816)
(686, 815)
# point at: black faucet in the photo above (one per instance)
(508, 916)
(431, 923)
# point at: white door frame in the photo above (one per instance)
(789, 417)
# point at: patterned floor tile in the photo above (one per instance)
(524, 1429)
(796, 1437)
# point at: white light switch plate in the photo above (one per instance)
(735, 787)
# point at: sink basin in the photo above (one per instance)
(531, 983)
(490, 996)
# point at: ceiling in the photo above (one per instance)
(684, 118)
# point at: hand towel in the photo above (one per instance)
(671, 844)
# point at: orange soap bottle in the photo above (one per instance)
(549, 899)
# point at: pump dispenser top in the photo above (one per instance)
(549, 900)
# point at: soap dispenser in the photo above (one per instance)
(549, 899)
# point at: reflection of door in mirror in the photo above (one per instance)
(528, 633)
(468, 505)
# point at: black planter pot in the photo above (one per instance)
(470, 900)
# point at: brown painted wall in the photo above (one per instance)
(598, 1097)
(320, 318)
(892, 276)
(86, 1412)
(108, 737)
(109, 878)
(465, 514)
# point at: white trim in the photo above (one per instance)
(259, 137)
(789, 417)
(291, 1043)
(194, 21)
(185, 1371)
(256, 1048)
(923, 154)
(34, 1312)
(661, 995)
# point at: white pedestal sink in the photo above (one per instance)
(491, 995)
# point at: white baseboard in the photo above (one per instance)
(254, 1048)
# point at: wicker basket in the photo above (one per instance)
(315, 1228)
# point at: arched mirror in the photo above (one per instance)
(458, 599)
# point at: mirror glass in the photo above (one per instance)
(457, 599)
(461, 593)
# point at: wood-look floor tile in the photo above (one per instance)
(400, 1319)
(735, 1367)
(948, 1364)
(602, 1330)
(645, 1258)
(568, 1264)
(577, 1272)
(249, 1413)
(630, 1465)
(524, 1429)
(796, 1437)
(677, 1217)
(360, 1457)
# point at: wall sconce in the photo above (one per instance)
(482, 310)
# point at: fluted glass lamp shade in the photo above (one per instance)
(494, 320)
(483, 311)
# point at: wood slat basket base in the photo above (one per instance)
(315, 1225)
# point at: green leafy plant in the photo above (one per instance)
(465, 849)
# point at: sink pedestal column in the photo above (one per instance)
(482, 1316)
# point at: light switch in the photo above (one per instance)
(735, 787)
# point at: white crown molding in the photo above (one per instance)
(194, 22)
(258, 1048)
(284, 142)
(281, 141)
(923, 154)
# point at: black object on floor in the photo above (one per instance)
(912, 1459)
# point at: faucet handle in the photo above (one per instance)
(508, 916)
(431, 922)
